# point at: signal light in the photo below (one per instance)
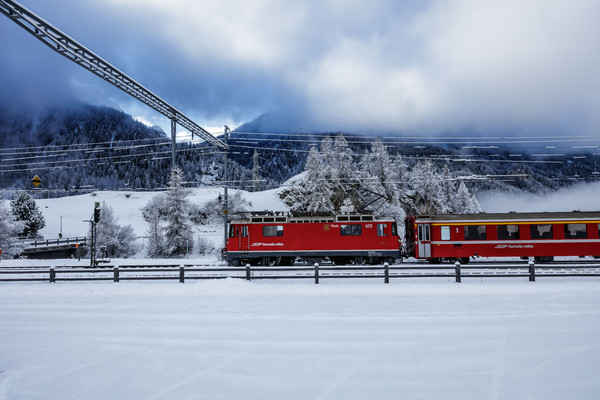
(96, 215)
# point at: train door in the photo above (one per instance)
(244, 239)
(424, 239)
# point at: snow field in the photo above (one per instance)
(233, 339)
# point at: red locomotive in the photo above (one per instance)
(279, 238)
(543, 235)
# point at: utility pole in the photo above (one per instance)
(173, 141)
(225, 183)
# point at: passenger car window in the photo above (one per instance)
(475, 232)
(541, 231)
(445, 233)
(575, 231)
(508, 232)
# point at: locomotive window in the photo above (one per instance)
(475, 232)
(381, 229)
(273, 230)
(541, 231)
(508, 232)
(233, 231)
(575, 231)
(394, 229)
(351, 230)
(445, 233)
(244, 231)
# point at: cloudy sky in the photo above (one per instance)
(417, 67)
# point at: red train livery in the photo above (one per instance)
(278, 238)
(542, 235)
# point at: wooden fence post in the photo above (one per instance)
(457, 271)
(52, 275)
(181, 275)
(116, 274)
(531, 271)
(247, 272)
(316, 273)
(386, 272)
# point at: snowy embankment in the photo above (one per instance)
(69, 214)
(234, 339)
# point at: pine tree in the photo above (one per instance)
(427, 193)
(255, 172)
(9, 230)
(178, 231)
(449, 190)
(153, 213)
(344, 176)
(26, 210)
(317, 189)
(401, 177)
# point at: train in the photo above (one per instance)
(279, 238)
(541, 235)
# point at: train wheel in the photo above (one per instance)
(435, 260)
(235, 262)
(390, 260)
(464, 260)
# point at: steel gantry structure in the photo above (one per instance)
(79, 54)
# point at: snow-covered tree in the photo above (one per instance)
(402, 177)
(448, 189)
(255, 172)
(344, 176)
(9, 231)
(26, 210)
(378, 182)
(464, 201)
(153, 213)
(427, 193)
(317, 188)
(118, 240)
(178, 231)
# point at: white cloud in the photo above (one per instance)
(434, 66)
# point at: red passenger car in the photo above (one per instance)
(278, 238)
(542, 236)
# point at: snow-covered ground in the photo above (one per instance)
(234, 339)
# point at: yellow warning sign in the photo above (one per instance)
(36, 180)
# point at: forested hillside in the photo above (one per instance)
(84, 147)
(79, 148)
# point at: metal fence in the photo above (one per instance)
(316, 272)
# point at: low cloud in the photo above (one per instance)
(442, 66)
(582, 197)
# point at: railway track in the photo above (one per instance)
(192, 271)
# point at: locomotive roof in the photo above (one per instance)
(283, 217)
(533, 216)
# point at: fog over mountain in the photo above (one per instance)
(435, 67)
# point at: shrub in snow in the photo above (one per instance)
(9, 230)
(26, 210)
(204, 246)
(119, 240)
